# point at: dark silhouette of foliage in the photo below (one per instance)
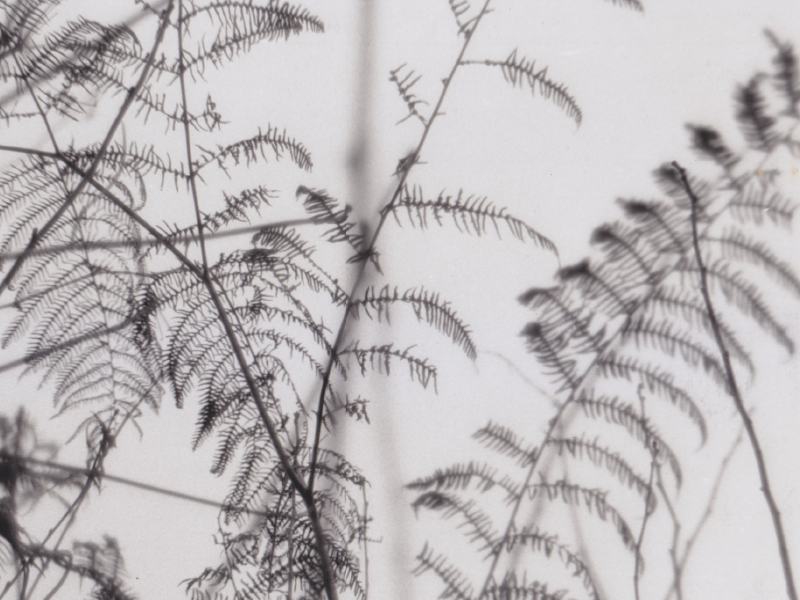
(668, 300)
(118, 312)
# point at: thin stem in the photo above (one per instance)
(677, 574)
(733, 389)
(184, 239)
(689, 546)
(366, 541)
(369, 252)
(306, 493)
(637, 563)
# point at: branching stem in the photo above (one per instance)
(369, 253)
(306, 492)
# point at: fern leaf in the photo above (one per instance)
(481, 476)
(787, 77)
(404, 83)
(461, 10)
(744, 296)
(458, 585)
(380, 358)
(634, 5)
(738, 246)
(696, 315)
(621, 248)
(752, 204)
(593, 500)
(512, 587)
(553, 353)
(656, 382)
(708, 143)
(647, 332)
(505, 441)
(661, 224)
(240, 25)
(602, 457)
(757, 126)
(323, 208)
(519, 71)
(624, 415)
(549, 545)
(249, 150)
(427, 306)
(593, 286)
(478, 524)
(470, 214)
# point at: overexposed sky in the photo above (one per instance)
(638, 79)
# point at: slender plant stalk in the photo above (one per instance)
(306, 493)
(232, 232)
(733, 389)
(689, 545)
(637, 562)
(677, 572)
(366, 541)
(369, 252)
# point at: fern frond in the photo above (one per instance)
(404, 85)
(622, 248)
(481, 476)
(511, 588)
(752, 204)
(623, 414)
(326, 209)
(593, 500)
(648, 332)
(590, 282)
(553, 353)
(746, 297)
(756, 124)
(546, 544)
(662, 225)
(458, 585)
(634, 5)
(696, 315)
(380, 358)
(603, 457)
(556, 313)
(519, 71)
(477, 523)
(460, 8)
(787, 77)
(470, 214)
(505, 441)
(131, 159)
(656, 382)
(427, 306)
(241, 25)
(101, 565)
(738, 246)
(81, 310)
(249, 150)
(708, 143)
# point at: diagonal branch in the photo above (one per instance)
(408, 165)
(306, 492)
